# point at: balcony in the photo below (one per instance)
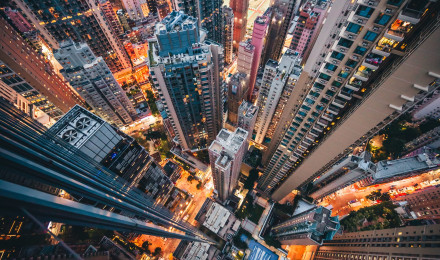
(338, 103)
(333, 109)
(394, 3)
(369, 65)
(370, 3)
(383, 51)
(322, 122)
(362, 75)
(394, 35)
(357, 19)
(310, 139)
(410, 15)
(347, 95)
(318, 128)
(328, 117)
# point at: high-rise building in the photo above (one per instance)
(310, 227)
(58, 22)
(26, 72)
(258, 36)
(245, 59)
(309, 22)
(228, 34)
(122, 17)
(282, 14)
(237, 90)
(163, 8)
(410, 242)
(279, 80)
(240, 9)
(34, 157)
(187, 75)
(226, 155)
(93, 80)
(111, 17)
(424, 203)
(18, 20)
(247, 116)
(134, 8)
(355, 92)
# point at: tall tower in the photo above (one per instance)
(226, 155)
(93, 80)
(36, 163)
(25, 71)
(279, 80)
(134, 8)
(208, 13)
(240, 8)
(237, 90)
(311, 227)
(355, 92)
(58, 22)
(245, 59)
(258, 36)
(274, 30)
(187, 74)
(228, 34)
(111, 17)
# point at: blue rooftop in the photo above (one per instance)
(260, 252)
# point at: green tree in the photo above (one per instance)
(251, 179)
(157, 251)
(199, 185)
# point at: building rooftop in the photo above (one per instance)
(229, 141)
(260, 252)
(216, 217)
(394, 168)
(176, 21)
(249, 110)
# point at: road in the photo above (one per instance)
(142, 124)
(341, 198)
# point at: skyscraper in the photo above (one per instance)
(33, 158)
(208, 13)
(240, 8)
(276, 18)
(134, 8)
(245, 59)
(311, 227)
(122, 17)
(187, 75)
(93, 80)
(228, 34)
(414, 242)
(279, 80)
(226, 155)
(81, 21)
(350, 75)
(258, 37)
(25, 71)
(237, 90)
(283, 12)
(111, 17)
(247, 116)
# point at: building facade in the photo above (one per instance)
(188, 78)
(92, 79)
(31, 76)
(237, 90)
(57, 23)
(279, 80)
(424, 203)
(111, 17)
(245, 59)
(226, 155)
(351, 64)
(247, 116)
(411, 242)
(311, 227)
(240, 8)
(228, 34)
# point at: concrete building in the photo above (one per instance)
(111, 17)
(410, 242)
(226, 155)
(240, 8)
(237, 90)
(282, 14)
(228, 34)
(307, 27)
(208, 14)
(429, 109)
(354, 57)
(258, 37)
(187, 76)
(163, 8)
(424, 203)
(279, 80)
(350, 170)
(134, 8)
(311, 227)
(87, 24)
(247, 116)
(92, 79)
(27, 73)
(245, 58)
(122, 17)
(18, 20)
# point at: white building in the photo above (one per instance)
(431, 108)
(226, 155)
(92, 79)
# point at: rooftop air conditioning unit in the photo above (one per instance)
(334, 62)
(388, 11)
(360, 21)
(370, 2)
(350, 36)
(364, 44)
